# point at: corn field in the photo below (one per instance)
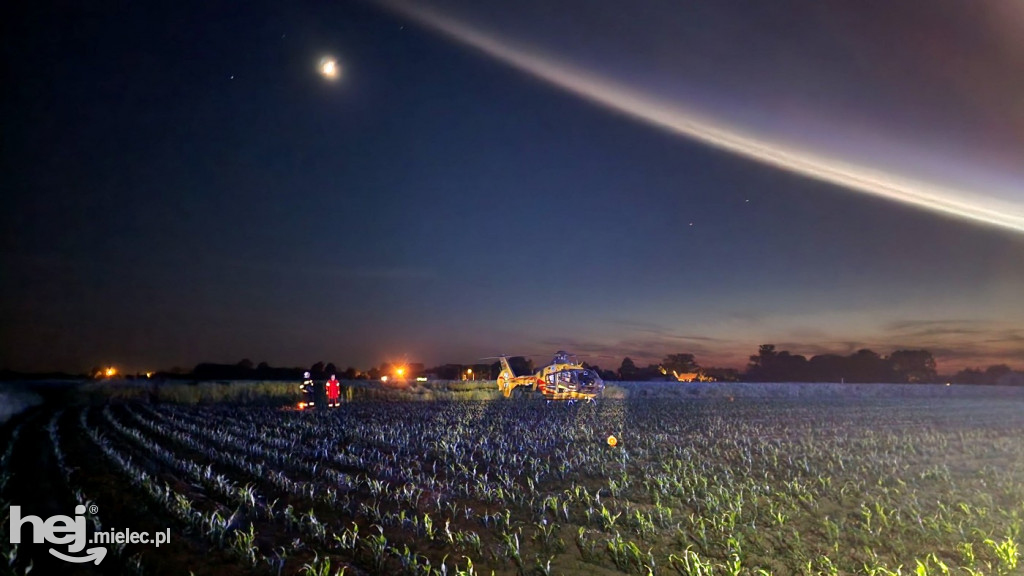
(691, 487)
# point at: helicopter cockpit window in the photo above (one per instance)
(587, 377)
(564, 380)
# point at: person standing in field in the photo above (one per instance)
(308, 390)
(333, 391)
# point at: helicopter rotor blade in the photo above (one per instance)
(544, 354)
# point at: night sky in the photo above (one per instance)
(181, 183)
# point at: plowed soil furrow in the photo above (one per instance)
(37, 486)
(122, 505)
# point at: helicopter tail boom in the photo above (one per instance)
(506, 367)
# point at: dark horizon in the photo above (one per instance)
(808, 368)
(183, 184)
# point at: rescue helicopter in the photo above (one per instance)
(565, 378)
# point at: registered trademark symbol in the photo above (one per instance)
(93, 509)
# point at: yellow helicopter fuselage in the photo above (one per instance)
(556, 381)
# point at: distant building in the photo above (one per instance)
(697, 376)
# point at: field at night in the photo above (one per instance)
(451, 287)
(699, 486)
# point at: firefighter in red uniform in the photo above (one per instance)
(333, 391)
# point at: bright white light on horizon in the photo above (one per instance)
(670, 115)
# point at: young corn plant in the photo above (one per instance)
(662, 515)
(620, 553)
(607, 519)
(689, 563)
(348, 539)
(377, 548)
(1007, 553)
(542, 567)
(245, 545)
(586, 545)
(643, 524)
(546, 536)
(931, 565)
(321, 567)
(469, 540)
(511, 549)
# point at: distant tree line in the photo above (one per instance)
(15, 375)
(902, 366)
(671, 368)
(246, 370)
(996, 374)
(768, 365)
(863, 366)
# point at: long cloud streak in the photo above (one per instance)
(674, 118)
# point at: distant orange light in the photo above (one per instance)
(111, 371)
(302, 405)
(613, 441)
(400, 371)
(149, 374)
